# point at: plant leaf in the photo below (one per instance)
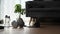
(17, 8)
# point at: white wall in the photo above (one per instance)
(1, 9)
(7, 7)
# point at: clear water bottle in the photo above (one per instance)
(7, 21)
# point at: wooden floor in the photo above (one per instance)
(45, 29)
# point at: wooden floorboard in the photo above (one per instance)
(45, 29)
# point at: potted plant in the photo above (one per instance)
(20, 21)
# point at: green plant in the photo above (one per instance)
(18, 9)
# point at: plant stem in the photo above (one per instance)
(19, 15)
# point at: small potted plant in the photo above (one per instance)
(20, 21)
